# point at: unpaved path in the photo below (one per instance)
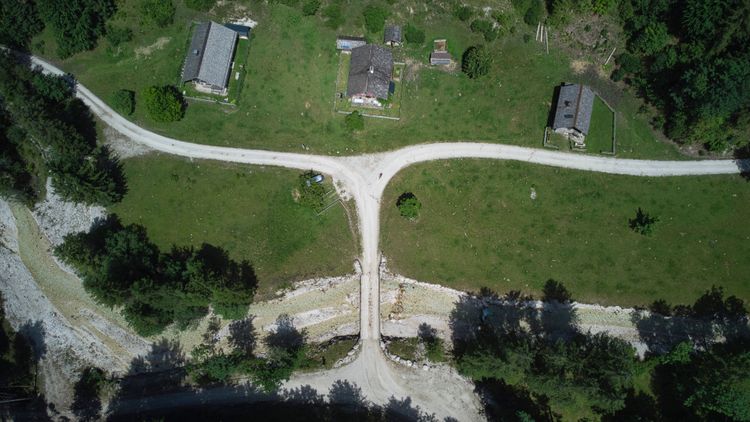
(364, 178)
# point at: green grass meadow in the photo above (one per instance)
(479, 227)
(288, 93)
(247, 210)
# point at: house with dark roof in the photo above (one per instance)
(347, 43)
(392, 35)
(370, 71)
(573, 113)
(209, 58)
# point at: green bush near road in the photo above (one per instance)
(483, 229)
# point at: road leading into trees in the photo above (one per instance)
(364, 178)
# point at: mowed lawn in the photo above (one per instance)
(480, 227)
(248, 210)
(288, 93)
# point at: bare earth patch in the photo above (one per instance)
(160, 43)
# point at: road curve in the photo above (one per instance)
(365, 177)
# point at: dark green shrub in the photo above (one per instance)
(643, 223)
(535, 12)
(354, 121)
(123, 101)
(164, 103)
(334, 16)
(375, 17)
(408, 206)
(413, 35)
(117, 35)
(476, 61)
(463, 12)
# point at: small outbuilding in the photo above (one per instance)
(392, 35)
(370, 72)
(573, 113)
(347, 43)
(209, 58)
(440, 55)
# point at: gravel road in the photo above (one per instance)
(365, 178)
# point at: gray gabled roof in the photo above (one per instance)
(574, 106)
(210, 55)
(392, 34)
(370, 71)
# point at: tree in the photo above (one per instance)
(164, 103)
(534, 13)
(408, 205)
(310, 8)
(157, 12)
(476, 61)
(354, 121)
(707, 385)
(643, 223)
(19, 22)
(334, 16)
(556, 291)
(123, 101)
(200, 5)
(413, 34)
(463, 12)
(652, 39)
(375, 17)
(77, 24)
(117, 35)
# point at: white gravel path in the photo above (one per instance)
(365, 178)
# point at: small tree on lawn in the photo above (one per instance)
(124, 101)
(476, 61)
(354, 121)
(408, 205)
(164, 103)
(643, 223)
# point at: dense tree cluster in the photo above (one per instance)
(77, 24)
(19, 22)
(120, 266)
(690, 59)
(514, 343)
(45, 129)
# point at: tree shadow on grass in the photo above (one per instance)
(504, 402)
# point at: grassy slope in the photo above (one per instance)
(479, 227)
(247, 210)
(288, 94)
